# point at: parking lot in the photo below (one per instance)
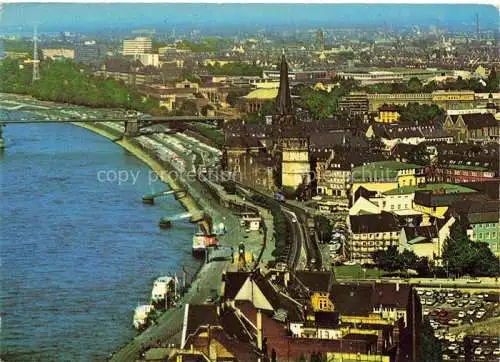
(455, 315)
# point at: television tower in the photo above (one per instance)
(36, 61)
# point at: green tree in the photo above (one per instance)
(388, 259)
(429, 349)
(493, 81)
(419, 114)
(324, 227)
(267, 109)
(420, 156)
(320, 104)
(392, 260)
(462, 256)
(234, 69)
(188, 108)
(414, 85)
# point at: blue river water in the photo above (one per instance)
(78, 250)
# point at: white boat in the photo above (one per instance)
(163, 290)
(141, 314)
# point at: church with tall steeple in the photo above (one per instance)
(291, 137)
(274, 155)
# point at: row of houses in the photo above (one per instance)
(419, 217)
(285, 316)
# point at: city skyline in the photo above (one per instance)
(103, 16)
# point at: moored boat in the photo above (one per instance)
(201, 242)
(141, 314)
(164, 292)
(165, 223)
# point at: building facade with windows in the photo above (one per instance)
(371, 233)
(137, 45)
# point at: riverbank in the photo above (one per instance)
(163, 173)
(207, 280)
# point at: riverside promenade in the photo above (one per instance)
(207, 281)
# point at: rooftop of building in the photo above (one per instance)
(435, 198)
(476, 120)
(382, 170)
(374, 223)
(449, 188)
(263, 94)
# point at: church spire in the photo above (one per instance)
(283, 100)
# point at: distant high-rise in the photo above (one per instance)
(320, 39)
(90, 52)
(139, 45)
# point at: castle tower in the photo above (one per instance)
(292, 138)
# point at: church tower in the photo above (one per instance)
(291, 137)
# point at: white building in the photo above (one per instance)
(148, 59)
(139, 45)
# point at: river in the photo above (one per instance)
(79, 250)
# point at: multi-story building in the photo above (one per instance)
(376, 100)
(476, 127)
(89, 52)
(388, 114)
(58, 53)
(257, 170)
(236, 147)
(461, 173)
(132, 73)
(435, 203)
(454, 99)
(444, 99)
(371, 233)
(401, 198)
(356, 103)
(458, 163)
(482, 219)
(137, 45)
(386, 175)
(373, 321)
(148, 59)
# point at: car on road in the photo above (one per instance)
(294, 219)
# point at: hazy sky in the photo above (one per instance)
(92, 17)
